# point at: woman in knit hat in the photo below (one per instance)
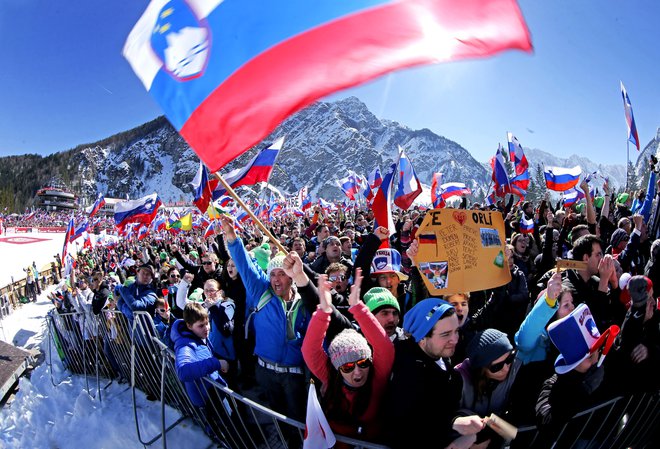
(488, 374)
(353, 377)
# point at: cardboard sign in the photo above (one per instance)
(462, 251)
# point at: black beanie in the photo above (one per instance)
(486, 346)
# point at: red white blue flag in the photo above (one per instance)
(382, 206)
(436, 197)
(142, 210)
(451, 189)
(500, 176)
(67, 236)
(203, 188)
(526, 226)
(257, 170)
(226, 73)
(561, 179)
(409, 186)
(98, 204)
(516, 154)
(630, 119)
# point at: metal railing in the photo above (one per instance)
(110, 346)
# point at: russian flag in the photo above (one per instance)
(257, 170)
(142, 210)
(143, 232)
(451, 189)
(98, 204)
(242, 217)
(203, 188)
(516, 154)
(210, 63)
(630, 118)
(526, 226)
(409, 186)
(382, 207)
(561, 179)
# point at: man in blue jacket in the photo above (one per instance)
(138, 296)
(279, 320)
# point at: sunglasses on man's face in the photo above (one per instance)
(336, 277)
(161, 310)
(495, 367)
(350, 366)
(207, 262)
(173, 276)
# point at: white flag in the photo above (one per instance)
(317, 430)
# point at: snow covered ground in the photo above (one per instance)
(45, 416)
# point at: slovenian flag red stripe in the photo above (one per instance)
(247, 65)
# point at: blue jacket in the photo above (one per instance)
(194, 360)
(164, 330)
(135, 298)
(532, 339)
(276, 342)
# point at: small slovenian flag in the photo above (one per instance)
(526, 226)
(100, 202)
(561, 179)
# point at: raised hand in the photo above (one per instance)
(354, 297)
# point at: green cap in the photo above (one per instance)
(194, 254)
(579, 208)
(196, 295)
(378, 297)
(163, 256)
(598, 202)
(622, 198)
(262, 256)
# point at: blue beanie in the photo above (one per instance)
(420, 319)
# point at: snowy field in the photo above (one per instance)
(43, 416)
(20, 250)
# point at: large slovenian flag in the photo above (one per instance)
(142, 210)
(409, 186)
(226, 73)
(561, 179)
(257, 170)
(98, 204)
(630, 119)
(203, 188)
(382, 206)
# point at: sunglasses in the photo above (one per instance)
(350, 366)
(207, 263)
(161, 310)
(336, 277)
(175, 275)
(495, 367)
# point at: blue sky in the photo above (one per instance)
(66, 83)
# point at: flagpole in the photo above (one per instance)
(254, 218)
(627, 162)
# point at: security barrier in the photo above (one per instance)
(111, 346)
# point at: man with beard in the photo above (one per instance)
(385, 308)
(207, 270)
